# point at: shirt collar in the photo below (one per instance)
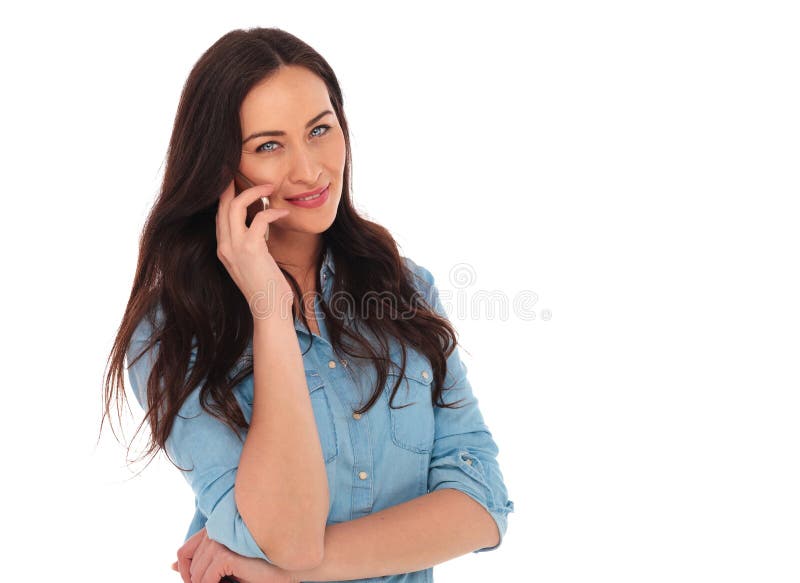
(328, 266)
(326, 270)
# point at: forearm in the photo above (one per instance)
(411, 536)
(281, 482)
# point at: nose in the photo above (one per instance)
(303, 167)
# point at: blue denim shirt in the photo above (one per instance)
(373, 461)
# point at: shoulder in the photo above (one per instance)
(421, 274)
(141, 345)
(141, 337)
(143, 349)
(423, 280)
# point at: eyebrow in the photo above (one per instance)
(311, 122)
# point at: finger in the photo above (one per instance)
(216, 227)
(222, 212)
(186, 553)
(213, 573)
(260, 225)
(184, 568)
(237, 211)
(202, 559)
(221, 242)
(175, 566)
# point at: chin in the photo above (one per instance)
(313, 221)
(313, 226)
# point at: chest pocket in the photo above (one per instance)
(412, 427)
(323, 414)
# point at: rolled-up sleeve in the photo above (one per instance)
(464, 453)
(204, 445)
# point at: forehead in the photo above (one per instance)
(284, 101)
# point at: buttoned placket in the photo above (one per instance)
(362, 498)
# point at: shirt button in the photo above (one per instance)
(332, 364)
(469, 461)
(424, 374)
(356, 415)
(344, 362)
(362, 475)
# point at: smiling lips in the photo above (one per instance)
(310, 193)
(312, 200)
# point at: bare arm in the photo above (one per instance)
(281, 484)
(411, 536)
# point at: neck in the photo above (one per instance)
(297, 253)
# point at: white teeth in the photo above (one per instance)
(313, 196)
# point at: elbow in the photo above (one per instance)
(298, 557)
(492, 532)
(291, 542)
(292, 551)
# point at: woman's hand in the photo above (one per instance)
(244, 253)
(202, 560)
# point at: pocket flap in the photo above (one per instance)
(314, 380)
(417, 369)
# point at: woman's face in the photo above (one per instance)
(304, 151)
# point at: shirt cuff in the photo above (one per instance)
(226, 526)
(463, 471)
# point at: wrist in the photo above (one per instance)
(267, 306)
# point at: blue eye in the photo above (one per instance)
(262, 145)
(262, 149)
(327, 127)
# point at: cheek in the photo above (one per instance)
(261, 173)
(336, 152)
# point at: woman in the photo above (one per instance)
(301, 372)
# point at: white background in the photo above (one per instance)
(634, 164)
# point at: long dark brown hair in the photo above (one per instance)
(179, 274)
